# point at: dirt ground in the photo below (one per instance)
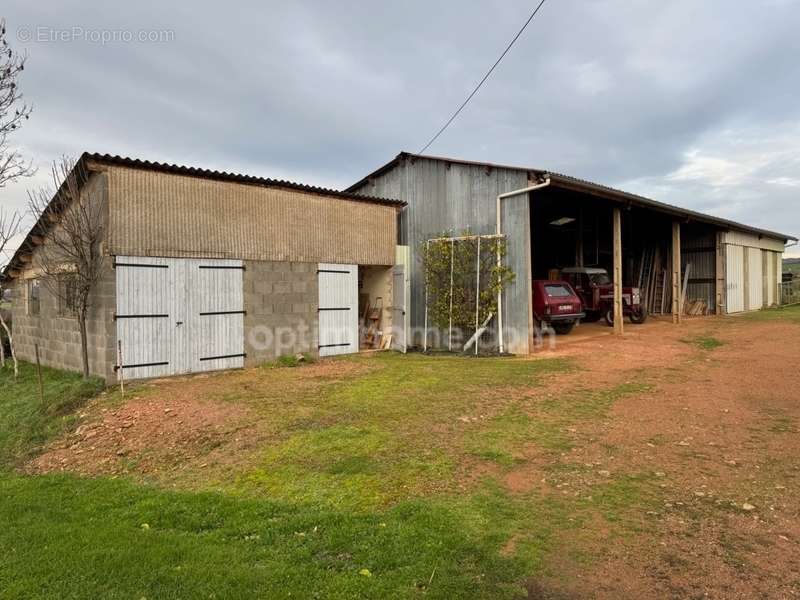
(716, 431)
(721, 434)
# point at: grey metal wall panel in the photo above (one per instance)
(516, 219)
(443, 196)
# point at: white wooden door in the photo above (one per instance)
(145, 317)
(217, 305)
(338, 309)
(177, 315)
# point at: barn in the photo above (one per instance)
(207, 270)
(552, 221)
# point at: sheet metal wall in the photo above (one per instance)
(446, 196)
(158, 214)
(699, 250)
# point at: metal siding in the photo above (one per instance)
(756, 283)
(443, 196)
(157, 214)
(739, 238)
(700, 252)
(734, 278)
(338, 289)
(516, 220)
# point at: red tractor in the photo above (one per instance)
(596, 291)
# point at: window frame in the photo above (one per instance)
(67, 304)
(33, 300)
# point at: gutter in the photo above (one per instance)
(524, 190)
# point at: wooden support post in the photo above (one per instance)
(676, 272)
(579, 238)
(618, 324)
(39, 373)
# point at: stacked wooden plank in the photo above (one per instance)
(696, 307)
(654, 280)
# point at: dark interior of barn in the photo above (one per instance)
(571, 228)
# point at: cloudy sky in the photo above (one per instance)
(692, 103)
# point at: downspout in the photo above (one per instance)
(525, 190)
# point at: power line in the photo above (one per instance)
(485, 77)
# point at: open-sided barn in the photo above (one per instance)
(552, 221)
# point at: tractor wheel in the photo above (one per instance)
(639, 315)
(592, 316)
(609, 317)
(563, 327)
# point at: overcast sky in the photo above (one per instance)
(688, 102)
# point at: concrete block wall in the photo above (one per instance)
(58, 336)
(280, 302)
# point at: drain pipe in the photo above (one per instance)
(525, 190)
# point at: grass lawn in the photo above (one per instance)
(361, 484)
(362, 477)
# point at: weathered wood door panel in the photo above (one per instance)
(338, 309)
(144, 315)
(217, 303)
(178, 315)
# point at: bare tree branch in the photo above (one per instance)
(13, 112)
(69, 254)
(9, 228)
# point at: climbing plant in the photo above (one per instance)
(452, 263)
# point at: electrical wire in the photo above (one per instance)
(482, 81)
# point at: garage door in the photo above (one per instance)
(179, 315)
(338, 309)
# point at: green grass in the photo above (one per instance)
(356, 489)
(25, 422)
(704, 342)
(65, 537)
(789, 314)
(368, 440)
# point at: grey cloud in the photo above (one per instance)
(615, 91)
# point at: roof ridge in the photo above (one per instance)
(232, 176)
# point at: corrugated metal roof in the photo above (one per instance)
(87, 157)
(582, 185)
(136, 163)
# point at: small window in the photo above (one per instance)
(557, 290)
(34, 290)
(68, 296)
(600, 279)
